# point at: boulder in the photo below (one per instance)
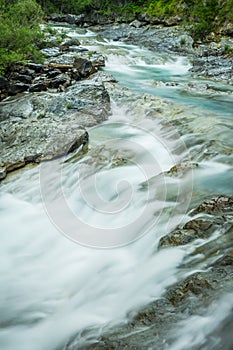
(217, 205)
(221, 209)
(84, 66)
(45, 125)
(4, 83)
(65, 45)
(38, 68)
(16, 88)
(27, 79)
(136, 24)
(71, 19)
(37, 87)
(59, 80)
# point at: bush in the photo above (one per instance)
(20, 32)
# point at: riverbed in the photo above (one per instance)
(80, 234)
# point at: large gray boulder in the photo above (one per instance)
(45, 125)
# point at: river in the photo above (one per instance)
(79, 236)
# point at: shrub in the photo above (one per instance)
(20, 32)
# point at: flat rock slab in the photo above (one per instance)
(44, 126)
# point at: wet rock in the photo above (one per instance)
(3, 83)
(199, 225)
(202, 227)
(83, 66)
(40, 86)
(53, 73)
(75, 74)
(59, 80)
(154, 326)
(136, 24)
(213, 67)
(46, 125)
(57, 73)
(38, 68)
(181, 168)
(51, 52)
(65, 45)
(27, 79)
(178, 237)
(14, 89)
(193, 285)
(71, 19)
(226, 259)
(66, 140)
(219, 204)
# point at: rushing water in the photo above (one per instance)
(53, 288)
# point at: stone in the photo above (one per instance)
(226, 259)
(59, 80)
(136, 24)
(40, 86)
(195, 284)
(53, 73)
(83, 66)
(177, 237)
(4, 83)
(218, 204)
(51, 52)
(3, 173)
(44, 126)
(71, 42)
(38, 68)
(27, 79)
(71, 19)
(65, 141)
(14, 89)
(181, 168)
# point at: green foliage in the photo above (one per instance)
(228, 49)
(162, 8)
(182, 41)
(204, 16)
(69, 105)
(19, 27)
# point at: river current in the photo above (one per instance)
(79, 236)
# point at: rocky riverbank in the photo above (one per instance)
(59, 82)
(160, 324)
(47, 117)
(209, 60)
(51, 104)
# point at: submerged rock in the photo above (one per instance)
(219, 204)
(221, 209)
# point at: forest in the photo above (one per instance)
(20, 19)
